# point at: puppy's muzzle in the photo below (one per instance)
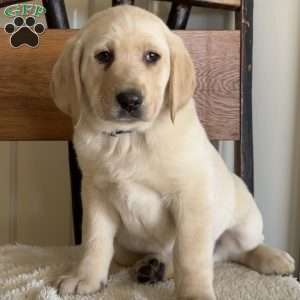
(130, 101)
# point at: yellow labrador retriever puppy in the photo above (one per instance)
(156, 195)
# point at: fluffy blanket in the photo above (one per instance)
(25, 273)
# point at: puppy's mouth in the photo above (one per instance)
(117, 132)
(130, 115)
(122, 117)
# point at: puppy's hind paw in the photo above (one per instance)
(149, 270)
(281, 263)
(269, 261)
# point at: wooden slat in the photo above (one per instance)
(216, 55)
(26, 110)
(28, 113)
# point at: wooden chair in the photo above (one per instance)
(223, 95)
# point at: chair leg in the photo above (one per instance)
(237, 156)
(4, 3)
(118, 2)
(179, 15)
(75, 176)
(238, 21)
(244, 148)
(56, 15)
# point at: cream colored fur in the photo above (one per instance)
(162, 189)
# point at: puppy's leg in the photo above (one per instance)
(267, 260)
(242, 244)
(194, 244)
(100, 225)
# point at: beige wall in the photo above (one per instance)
(5, 192)
(35, 199)
(275, 110)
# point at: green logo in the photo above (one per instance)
(24, 29)
(24, 10)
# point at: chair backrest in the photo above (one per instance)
(27, 111)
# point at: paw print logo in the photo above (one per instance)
(24, 32)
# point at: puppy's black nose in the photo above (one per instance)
(130, 100)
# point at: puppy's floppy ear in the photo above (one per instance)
(65, 85)
(182, 80)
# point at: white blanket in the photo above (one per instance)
(25, 273)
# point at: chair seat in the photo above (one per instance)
(25, 270)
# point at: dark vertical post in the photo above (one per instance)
(56, 17)
(118, 2)
(237, 144)
(238, 20)
(75, 176)
(244, 149)
(179, 14)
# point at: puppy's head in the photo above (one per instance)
(125, 68)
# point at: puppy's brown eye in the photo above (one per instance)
(105, 57)
(151, 57)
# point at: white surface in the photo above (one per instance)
(25, 273)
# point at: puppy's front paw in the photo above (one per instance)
(76, 284)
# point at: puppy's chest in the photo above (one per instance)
(145, 215)
(120, 159)
(138, 205)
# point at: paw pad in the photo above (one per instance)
(151, 271)
(24, 32)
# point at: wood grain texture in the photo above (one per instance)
(26, 110)
(216, 55)
(28, 113)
